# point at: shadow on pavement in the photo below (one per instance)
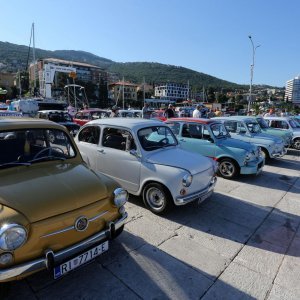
(132, 269)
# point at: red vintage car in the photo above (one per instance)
(158, 115)
(86, 115)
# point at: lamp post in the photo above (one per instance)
(251, 71)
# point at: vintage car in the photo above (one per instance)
(210, 138)
(61, 117)
(286, 135)
(56, 213)
(288, 124)
(158, 114)
(130, 113)
(247, 129)
(145, 158)
(86, 115)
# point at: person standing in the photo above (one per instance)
(196, 112)
(270, 113)
(169, 112)
(146, 111)
(114, 111)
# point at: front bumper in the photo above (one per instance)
(253, 167)
(52, 258)
(203, 194)
(279, 154)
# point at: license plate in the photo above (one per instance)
(79, 260)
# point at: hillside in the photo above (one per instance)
(15, 57)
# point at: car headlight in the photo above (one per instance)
(121, 197)
(248, 156)
(187, 180)
(12, 236)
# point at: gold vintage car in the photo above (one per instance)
(55, 212)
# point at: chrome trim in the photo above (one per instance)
(72, 227)
(280, 154)
(41, 263)
(197, 195)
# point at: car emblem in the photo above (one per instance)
(81, 224)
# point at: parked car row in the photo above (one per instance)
(63, 198)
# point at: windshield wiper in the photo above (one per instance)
(13, 164)
(45, 158)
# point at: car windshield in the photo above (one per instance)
(253, 127)
(262, 123)
(219, 130)
(294, 124)
(155, 137)
(27, 146)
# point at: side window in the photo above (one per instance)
(90, 135)
(241, 128)
(85, 116)
(231, 126)
(196, 131)
(186, 131)
(285, 125)
(206, 134)
(118, 139)
(175, 127)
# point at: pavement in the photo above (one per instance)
(242, 243)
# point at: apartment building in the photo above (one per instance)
(120, 89)
(172, 91)
(292, 91)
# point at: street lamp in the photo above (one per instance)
(251, 71)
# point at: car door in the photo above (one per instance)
(88, 141)
(116, 158)
(195, 137)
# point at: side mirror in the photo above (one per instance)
(211, 140)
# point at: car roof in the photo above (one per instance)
(194, 120)
(52, 111)
(9, 123)
(234, 118)
(93, 110)
(277, 118)
(127, 122)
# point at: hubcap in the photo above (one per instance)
(297, 144)
(155, 198)
(226, 168)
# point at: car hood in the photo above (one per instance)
(179, 158)
(265, 136)
(40, 192)
(234, 143)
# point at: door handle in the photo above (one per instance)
(100, 150)
(182, 140)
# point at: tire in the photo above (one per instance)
(228, 168)
(157, 198)
(296, 144)
(265, 154)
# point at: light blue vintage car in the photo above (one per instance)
(247, 129)
(210, 138)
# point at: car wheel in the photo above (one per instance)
(265, 154)
(296, 144)
(157, 198)
(228, 168)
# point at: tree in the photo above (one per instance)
(211, 98)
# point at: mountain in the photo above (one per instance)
(16, 57)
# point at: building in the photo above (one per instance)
(172, 91)
(85, 73)
(292, 91)
(122, 93)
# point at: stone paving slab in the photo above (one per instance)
(154, 274)
(238, 282)
(280, 293)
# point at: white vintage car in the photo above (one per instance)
(146, 159)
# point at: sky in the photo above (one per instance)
(208, 36)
